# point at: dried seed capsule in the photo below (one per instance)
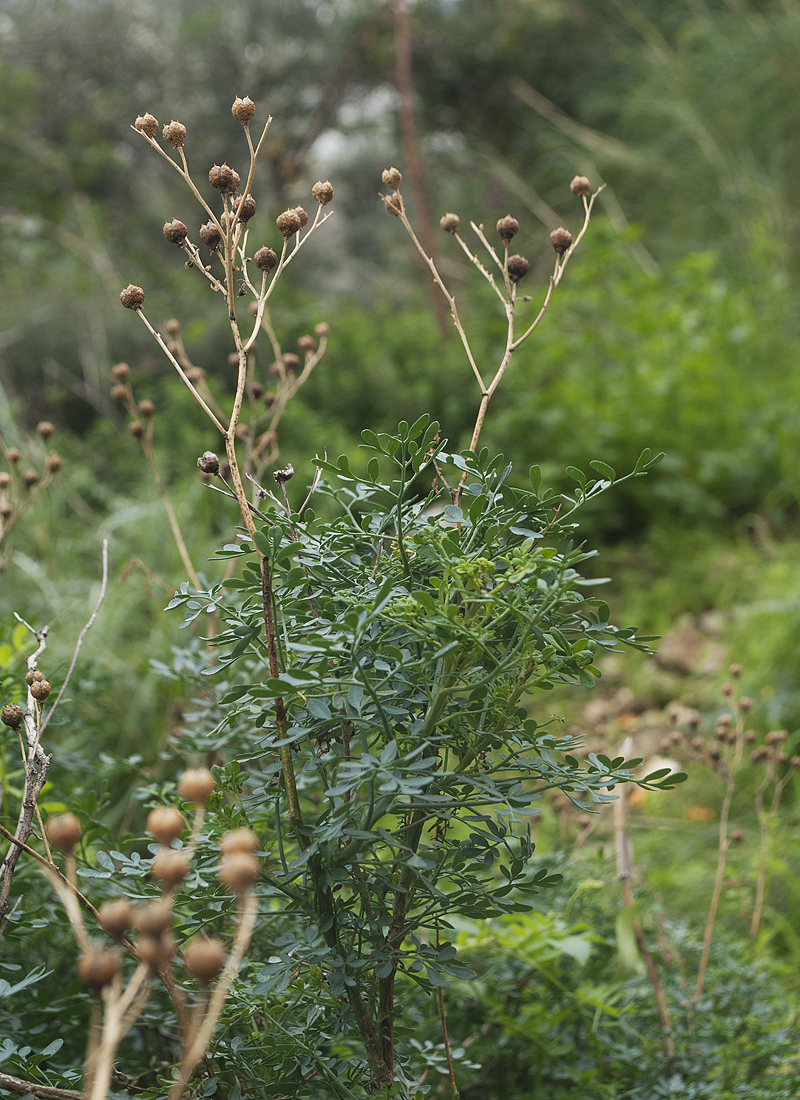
(132, 297)
(561, 239)
(238, 871)
(13, 455)
(174, 134)
(208, 463)
(302, 216)
(40, 689)
(393, 203)
(172, 327)
(269, 400)
(284, 475)
(745, 704)
(195, 374)
(156, 951)
(146, 407)
(170, 866)
(196, 784)
(776, 737)
(12, 715)
(243, 110)
(245, 208)
(289, 223)
(322, 192)
(119, 393)
(256, 389)
(210, 235)
(146, 124)
(307, 343)
(322, 330)
(165, 824)
(233, 359)
(5, 479)
(136, 428)
(735, 671)
(508, 227)
(98, 967)
(29, 478)
(518, 268)
(238, 840)
(64, 832)
(33, 674)
(116, 917)
(45, 429)
(580, 186)
(737, 836)
(121, 371)
(224, 179)
(154, 919)
(392, 178)
(290, 360)
(204, 958)
(265, 259)
(450, 223)
(175, 231)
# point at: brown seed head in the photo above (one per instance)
(40, 689)
(291, 361)
(735, 671)
(119, 392)
(64, 832)
(580, 186)
(136, 428)
(245, 208)
(33, 675)
(450, 223)
(243, 110)
(737, 836)
(507, 227)
(776, 737)
(210, 235)
(99, 966)
(233, 359)
(322, 330)
(307, 343)
(727, 689)
(156, 951)
(172, 327)
(165, 824)
(238, 871)
(749, 736)
(121, 371)
(269, 400)
(146, 124)
(12, 715)
(45, 429)
(170, 866)
(518, 268)
(208, 463)
(195, 374)
(289, 223)
(204, 958)
(6, 508)
(175, 231)
(284, 475)
(322, 192)
(794, 762)
(745, 704)
(13, 455)
(265, 259)
(153, 919)
(392, 178)
(5, 479)
(302, 215)
(29, 478)
(116, 917)
(782, 757)
(174, 134)
(760, 753)
(393, 203)
(132, 297)
(238, 840)
(224, 179)
(561, 239)
(196, 785)
(256, 389)
(146, 408)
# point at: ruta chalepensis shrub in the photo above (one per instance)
(370, 692)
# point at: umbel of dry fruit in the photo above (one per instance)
(518, 268)
(210, 235)
(392, 178)
(265, 259)
(245, 208)
(174, 134)
(224, 179)
(64, 832)
(196, 785)
(243, 110)
(561, 239)
(12, 715)
(508, 227)
(147, 124)
(450, 223)
(289, 223)
(323, 192)
(175, 231)
(40, 689)
(132, 297)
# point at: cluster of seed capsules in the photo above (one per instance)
(20, 487)
(155, 945)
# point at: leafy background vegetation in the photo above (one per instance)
(676, 329)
